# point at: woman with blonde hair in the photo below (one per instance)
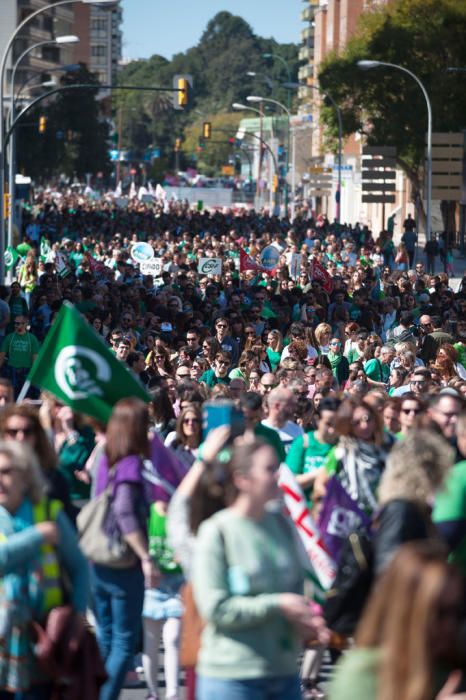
(408, 639)
(323, 334)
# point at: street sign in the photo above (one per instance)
(447, 166)
(210, 266)
(378, 174)
(140, 252)
(153, 267)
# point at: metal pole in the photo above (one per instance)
(3, 61)
(293, 176)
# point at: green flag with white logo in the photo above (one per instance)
(76, 366)
(11, 256)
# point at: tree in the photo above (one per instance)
(75, 140)
(227, 50)
(386, 106)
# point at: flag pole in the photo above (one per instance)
(24, 391)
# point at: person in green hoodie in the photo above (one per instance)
(408, 640)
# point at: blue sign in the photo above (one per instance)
(141, 252)
(270, 257)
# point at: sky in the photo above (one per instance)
(165, 28)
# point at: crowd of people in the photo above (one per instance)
(355, 375)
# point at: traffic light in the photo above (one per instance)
(42, 125)
(182, 87)
(178, 144)
(6, 205)
(207, 130)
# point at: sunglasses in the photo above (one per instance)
(13, 432)
(194, 421)
(411, 410)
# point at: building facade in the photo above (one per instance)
(101, 44)
(36, 65)
(328, 26)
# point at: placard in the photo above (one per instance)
(140, 252)
(210, 266)
(270, 257)
(295, 265)
(152, 267)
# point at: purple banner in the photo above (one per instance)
(340, 517)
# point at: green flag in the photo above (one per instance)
(11, 256)
(76, 366)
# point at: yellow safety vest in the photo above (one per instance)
(53, 594)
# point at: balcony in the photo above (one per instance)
(306, 53)
(307, 15)
(307, 33)
(306, 72)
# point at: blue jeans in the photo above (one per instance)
(118, 599)
(279, 688)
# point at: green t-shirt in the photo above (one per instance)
(210, 378)
(274, 358)
(159, 550)
(376, 370)
(353, 355)
(450, 505)
(306, 455)
(20, 349)
(461, 350)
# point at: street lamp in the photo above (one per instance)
(340, 136)
(369, 64)
(287, 68)
(3, 61)
(65, 39)
(256, 98)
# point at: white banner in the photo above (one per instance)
(210, 266)
(322, 564)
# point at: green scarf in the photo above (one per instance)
(334, 361)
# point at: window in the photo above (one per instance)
(98, 51)
(99, 24)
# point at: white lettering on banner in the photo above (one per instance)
(210, 266)
(151, 267)
(322, 564)
(73, 372)
(342, 522)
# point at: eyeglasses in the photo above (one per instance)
(407, 411)
(268, 387)
(13, 432)
(363, 419)
(193, 421)
(184, 375)
(250, 332)
(223, 362)
(221, 325)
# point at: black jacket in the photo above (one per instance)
(400, 521)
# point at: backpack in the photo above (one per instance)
(346, 599)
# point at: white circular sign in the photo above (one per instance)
(77, 371)
(140, 252)
(152, 267)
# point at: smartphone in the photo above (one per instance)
(223, 412)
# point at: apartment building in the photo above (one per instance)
(38, 63)
(328, 26)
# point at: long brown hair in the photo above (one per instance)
(127, 430)
(344, 416)
(400, 619)
(42, 445)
